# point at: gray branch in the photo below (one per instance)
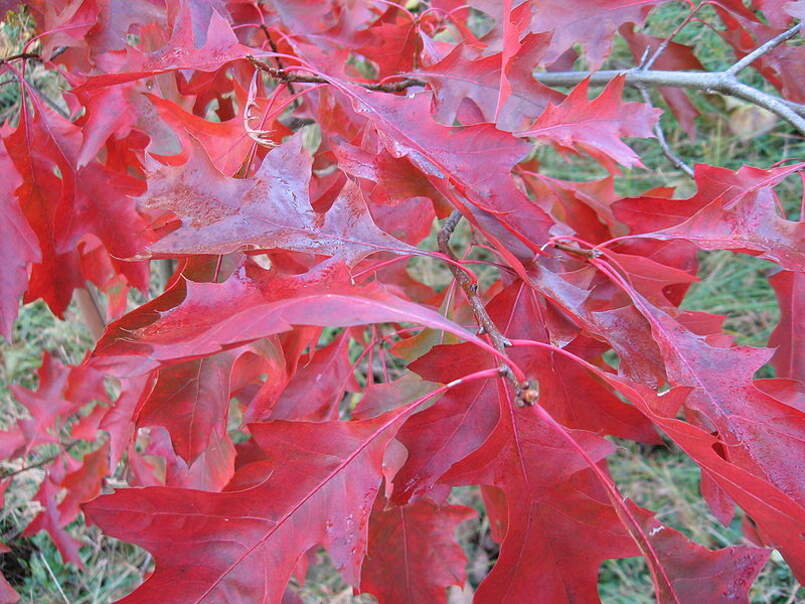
(763, 49)
(663, 142)
(718, 81)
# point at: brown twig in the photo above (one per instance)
(663, 142)
(577, 251)
(658, 131)
(524, 393)
(306, 78)
(275, 50)
(22, 55)
(40, 463)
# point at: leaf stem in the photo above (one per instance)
(763, 49)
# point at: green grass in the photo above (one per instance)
(667, 482)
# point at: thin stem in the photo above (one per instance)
(22, 55)
(719, 81)
(763, 49)
(485, 322)
(40, 463)
(305, 78)
(274, 49)
(663, 142)
(591, 253)
(664, 44)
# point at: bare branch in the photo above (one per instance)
(733, 87)
(523, 392)
(663, 142)
(40, 463)
(664, 44)
(23, 55)
(718, 81)
(763, 49)
(292, 76)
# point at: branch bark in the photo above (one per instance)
(717, 81)
(290, 77)
(763, 49)
(40, 463)
(523, 392)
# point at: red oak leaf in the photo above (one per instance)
(592, 24)
(61, 392)
(452, 429)
(596, 126)
(771, 440)
(190, 400)
(317, 487)
(43, 145)
(461, 76)
(158, 465)
(316, 389)
(115, 20)
(187, 321)
(478, 159)
(550, 500)
(731, 210)
(227, 144)
(290, 205)
(771, 509)
(182, 51)
(395, 569)
(696, 572)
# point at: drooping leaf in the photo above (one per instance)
(696, 572)
(190, 321)
(18, 246)
(43, 150)
(550, 499)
